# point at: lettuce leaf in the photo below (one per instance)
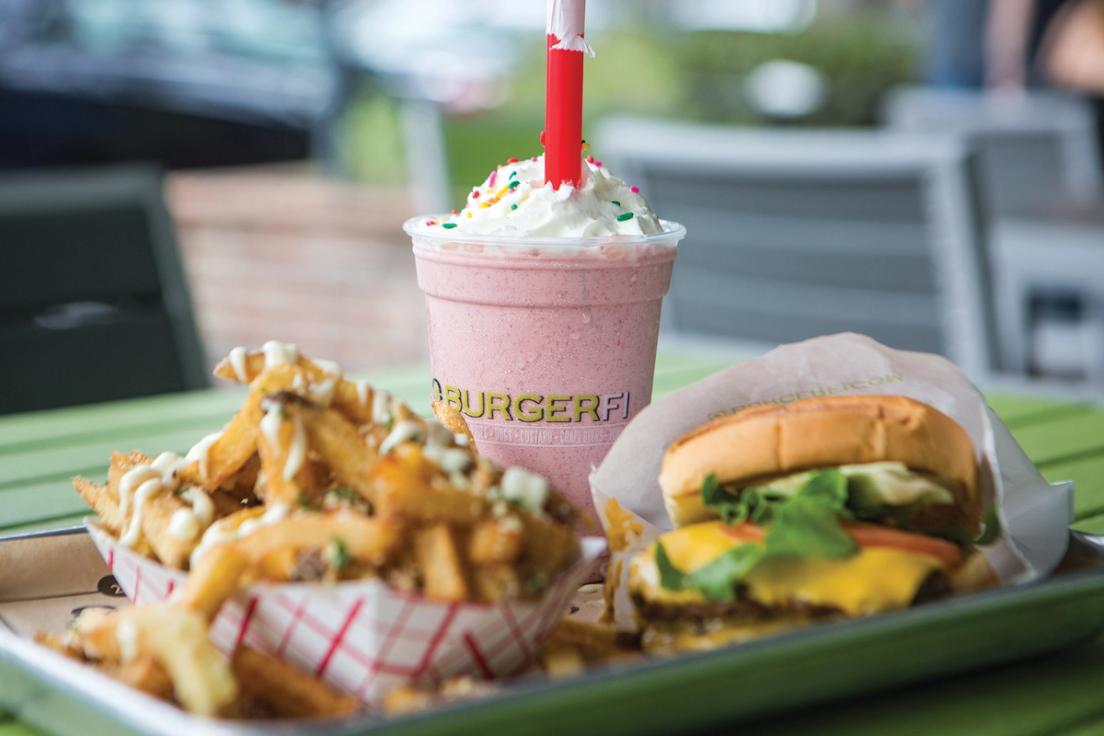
(805, 524)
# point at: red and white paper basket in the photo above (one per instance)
(365, 637)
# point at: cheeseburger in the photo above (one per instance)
(819, 509)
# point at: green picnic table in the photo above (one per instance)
(1061, 693)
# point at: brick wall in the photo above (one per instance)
(281, 253)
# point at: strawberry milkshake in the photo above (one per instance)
(543, 312)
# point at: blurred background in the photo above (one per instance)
(181, 176)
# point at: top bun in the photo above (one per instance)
(764, 442)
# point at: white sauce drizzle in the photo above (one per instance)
(362, 389)
(297, 451)
(183, 525)
(279, 353)
(126, 634)
(381, 407)
(202, 505)
(403, 432)
(329, 367)
(138, 485)
(322, 392)
(218, 532)
(237, 362)
(201, 450)
(270, 425)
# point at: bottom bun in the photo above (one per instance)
(673, 637)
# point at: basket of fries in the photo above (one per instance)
(329, 528)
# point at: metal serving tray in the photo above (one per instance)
(686, 693)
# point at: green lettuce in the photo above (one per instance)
(804, 524)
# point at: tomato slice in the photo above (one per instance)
(872, 535)
(745, 532)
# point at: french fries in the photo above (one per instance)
(164, 651)
(318, 479)
(285, 691)
(438, 558)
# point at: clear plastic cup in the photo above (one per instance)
(546, 345)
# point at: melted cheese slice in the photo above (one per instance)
(876, 579)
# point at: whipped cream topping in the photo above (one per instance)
(515, 201)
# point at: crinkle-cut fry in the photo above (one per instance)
(144, 673)
(369, 539)
(215, 578)
(100, 501)
(286, 690)
(407, 489)
(238, 441)
(494, 541)
(451, 418)
(438, 558)
(340, 444)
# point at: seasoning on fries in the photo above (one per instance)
(316, 479)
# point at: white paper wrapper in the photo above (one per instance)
(565, 20)
(364, 637)
(1035, 515)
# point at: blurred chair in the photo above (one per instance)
(93, 300)
(1034, 149)
(1050, 289)
(794, 234)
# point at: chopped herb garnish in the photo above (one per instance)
(536, 583)
(345, 492)
(614, 201)
(303, 501)
(339, 554)
(624, 216)
(448, 225)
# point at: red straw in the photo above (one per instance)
(563, 107)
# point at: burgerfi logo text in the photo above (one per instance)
(533, 407)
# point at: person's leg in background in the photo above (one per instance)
(955, 43)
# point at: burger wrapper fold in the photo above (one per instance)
(364, 637)
(1035, 515)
